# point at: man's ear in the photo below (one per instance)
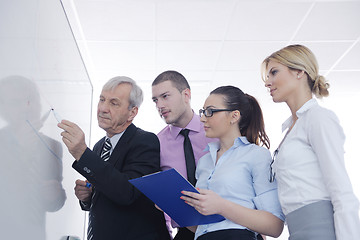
(133, 113)
(187, 94)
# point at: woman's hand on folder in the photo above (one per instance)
(206, 203)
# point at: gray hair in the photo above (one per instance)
(136, 94)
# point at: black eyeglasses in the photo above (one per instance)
(272, 173)
(209, 112)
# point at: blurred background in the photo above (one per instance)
(70, 48)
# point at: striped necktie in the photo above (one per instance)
(105, 154)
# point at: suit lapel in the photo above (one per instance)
(118, 155)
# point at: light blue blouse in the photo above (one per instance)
(241, 176)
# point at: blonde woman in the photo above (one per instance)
(314, 188)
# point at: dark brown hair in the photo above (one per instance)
(176, 78)
(251, 124)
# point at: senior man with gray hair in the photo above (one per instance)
(117, 209)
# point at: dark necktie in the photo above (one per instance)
(189, 157)
(105, 155)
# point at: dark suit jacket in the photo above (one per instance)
(119, 210)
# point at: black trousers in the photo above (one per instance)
(184, 234)
(229, 234)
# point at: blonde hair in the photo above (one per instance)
(299, 57)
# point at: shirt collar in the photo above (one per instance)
(241, 141)
(115, 139)
(237, 142)
(193, 125)
(309, 104)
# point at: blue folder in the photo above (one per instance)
(164, 189)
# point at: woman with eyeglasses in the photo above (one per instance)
(233, 178)
(314, 188)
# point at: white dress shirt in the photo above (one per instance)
(310, 167)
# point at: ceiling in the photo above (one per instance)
(212, 42)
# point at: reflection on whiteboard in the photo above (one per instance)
(31, 163)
